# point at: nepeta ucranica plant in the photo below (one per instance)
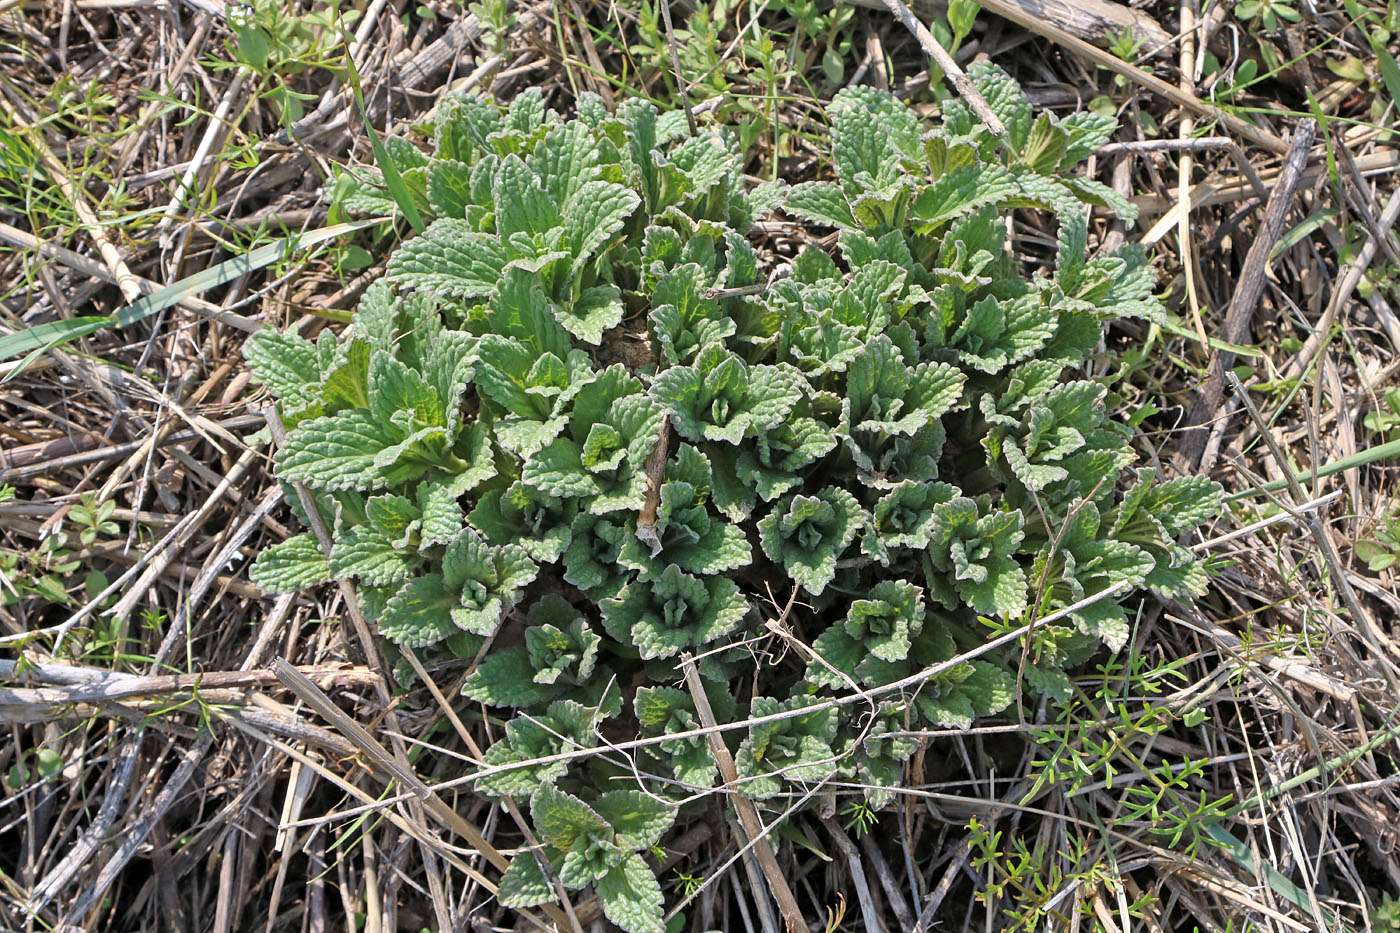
(898, 430)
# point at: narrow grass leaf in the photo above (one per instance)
(1390, 70)
(1361, 458)
(1244, 857)
(53, 333)
(398, 189)
(229, 270)
(45, 337)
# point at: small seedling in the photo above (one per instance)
(1266, 13)
(1381, 550)
(93, 519)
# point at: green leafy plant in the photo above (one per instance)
(1231, 83)
(594, 844)
(1267, 13)
(663, 710)
(1381, 550)
(277, 41)
(33, 764)
(797, 748)
(93, 519)
(859, 817)
(41, 572)
(1386, 420)
(49, 572)
(826, 30)
(567, 422)
(689, 884)
(495, 15)
(1105, 724)
(1125, 45)
(1385, 917)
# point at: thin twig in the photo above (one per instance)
(1247, 294)
(135, 831)
(389, 765)
(1009, 10)
(1374, 639)
(98, 831)
(510, 805)
(1198, 144)
(956, 76)
(676, 64)
(1322, 331)
(748, 814)
(869, 915)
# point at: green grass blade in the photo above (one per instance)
(231, 269)
(45, 337)
(1317, 771)
(1244, 857)
(1174, 326)
(398, 188)
(1360, 458)
(1309, 225)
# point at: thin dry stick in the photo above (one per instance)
(767, 922)
(110, 686)
(26, 463)
(1322, 332)
(1356, 193)
(227, 553)
(904, 916)
(743, 806)
(374, 917)
(1222, 191)
(312, 695)
(676, 64)
(176, 537)
(218, 125)
(1247, 294)
(146, 120)
(97, 833)
(388, 764)
(959, 79)
(75, 196)
(853, 866)
(208, 574)
(369, 646)
(1009, 10)
(142, 455)
(1196, 144)
(134, 832)
(1205, 546)
(1183, 221)
(595, 64)
(1291, 668)
(96, 270)
(415, 830)
(519, 818)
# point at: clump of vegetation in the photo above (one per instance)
(580, 420)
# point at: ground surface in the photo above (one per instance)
(157, 775)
